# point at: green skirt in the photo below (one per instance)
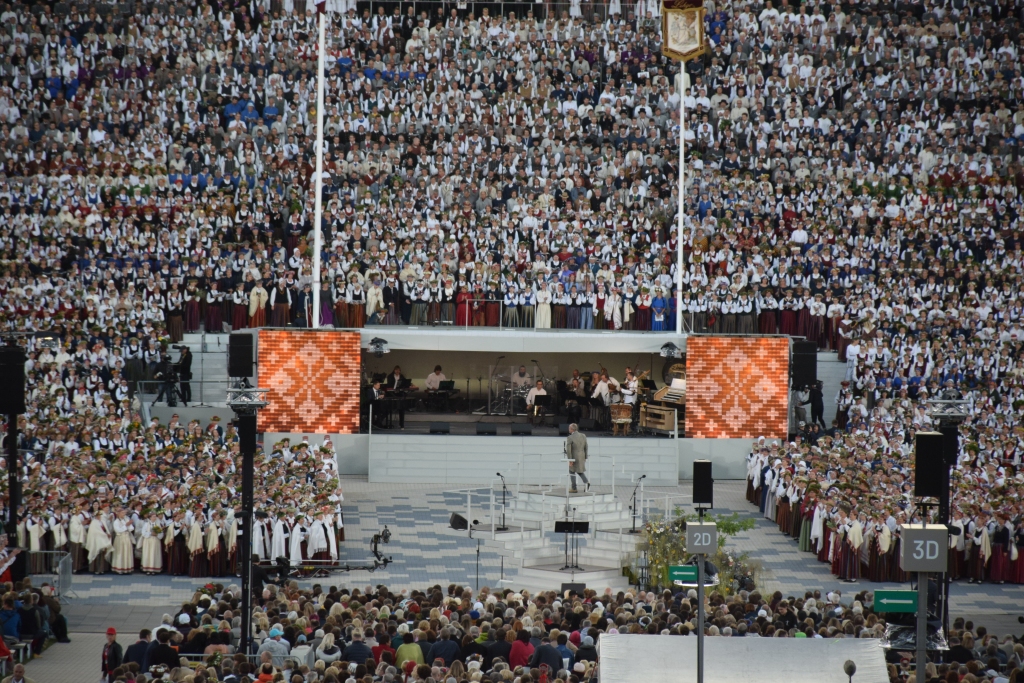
(805, 536)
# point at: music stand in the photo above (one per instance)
(541, 401)
(572, 528)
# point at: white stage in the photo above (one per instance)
(673, 659)
(446, 459)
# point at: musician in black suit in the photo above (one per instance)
(374, 399)
(398, 382)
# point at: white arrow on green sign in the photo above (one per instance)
(895, 601)
(687, 573)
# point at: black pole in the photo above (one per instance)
(950, 451)
(247, 444)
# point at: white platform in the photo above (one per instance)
(446, 459)
(441, 459)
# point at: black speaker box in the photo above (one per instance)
(931, 475)
(12, 380)
(574, 588)
(703, 484)
(440, 428)
(563, 429)
(804, 363)
(486, 429)
(588, 425)
(526, 429)
(240, 357)
(458, 522)
(246, 433)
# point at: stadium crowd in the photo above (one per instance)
(853, 176)
(453, 635)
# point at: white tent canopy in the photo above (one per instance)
(673, 659)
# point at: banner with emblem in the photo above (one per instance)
(682, 29)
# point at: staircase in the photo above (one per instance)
(532, 544)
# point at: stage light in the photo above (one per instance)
(670, 350)
(379, 346)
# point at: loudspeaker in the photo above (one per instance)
(458, 522)
(703, 484)
(240, 355)
(930, 473)
(12, 380)
(526, 429)
(486, 429)
(587, 424)
(574, 588)
(950, 444)
(804, 363)
(563, 429)
(246, 425)
(440, 428)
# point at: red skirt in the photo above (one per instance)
(999, 564)
(767, 322)
(259, 318)
(788, 323)
(356, 316)
(239, 316)
(192, 316)
(214, 318)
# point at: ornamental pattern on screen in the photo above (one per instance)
(313, 379)
(737, 387)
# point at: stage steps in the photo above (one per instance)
(532, 545)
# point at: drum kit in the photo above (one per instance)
(509, 397)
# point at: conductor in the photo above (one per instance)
(576, 451)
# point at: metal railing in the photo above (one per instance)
(55, 563)
(591, 10)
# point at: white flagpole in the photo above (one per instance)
(318, 216)
(682, 193)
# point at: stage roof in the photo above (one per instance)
(520, 341)
(673, 659)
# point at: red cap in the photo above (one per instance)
(111, 631)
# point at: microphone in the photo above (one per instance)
(849, 667)
(499, 474)
(500, 357)
(644, 476)
(533, 360)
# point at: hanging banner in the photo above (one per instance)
(682, 29)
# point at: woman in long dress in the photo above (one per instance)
(76, 539)
(197, 553)
(152, 547)
(123, 561)
(543, 307)
(98, 545)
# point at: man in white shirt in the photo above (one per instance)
(435, 378)
(532, 408)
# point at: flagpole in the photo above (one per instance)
(682, 193)
(318, 215)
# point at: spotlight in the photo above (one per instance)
(670, 350)
(379, 346)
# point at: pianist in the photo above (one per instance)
(435, 378)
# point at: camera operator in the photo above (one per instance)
(169, 378)
(185, 374)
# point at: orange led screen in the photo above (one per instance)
(313, 379)
(737, 387)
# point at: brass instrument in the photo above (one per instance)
(642, 376)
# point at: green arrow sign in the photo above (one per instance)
(687, 573)
(895, 601)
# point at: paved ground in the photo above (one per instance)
(425, 552)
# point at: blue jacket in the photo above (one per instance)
(11, 622)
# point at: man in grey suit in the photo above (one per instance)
(576, 451)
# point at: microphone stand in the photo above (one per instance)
(633, 506)
(504, 489)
